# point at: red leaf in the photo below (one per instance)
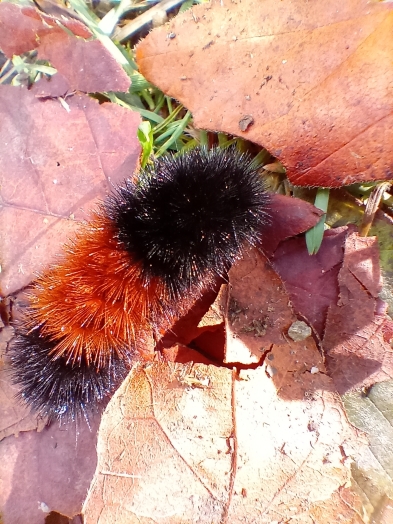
(357, 337)
(49, 470)
(313, 84)
(311, 281)
(54, 164)
(85, 65)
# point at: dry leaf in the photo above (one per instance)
(372, 412)
(225, 450)
(20, 26)
(311, 281)
(314, 84)
(358, 332)
(83, 65)
(55, 165)
(289, 217)
(46, 471)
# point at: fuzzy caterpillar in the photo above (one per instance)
(145, 256)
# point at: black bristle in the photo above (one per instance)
(55, 388)
(182, 223)
(186, 219)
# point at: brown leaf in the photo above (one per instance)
(358, 331)
(289, 217)
(256, 310)
(256, 317)
(19, 28)
(56, 86)
(314, 83)
(337, 292)
(55, 164)
(83, 65)
(187, 443)
(311, 281)
(87, 66)
(46, 471)
(14, 415)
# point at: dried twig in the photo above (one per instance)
(372, 207)
(134, 26)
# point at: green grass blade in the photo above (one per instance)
(181, 127)
(168, 120)
(145, 136)
(314, 235)
(204, 138)
(149, 115)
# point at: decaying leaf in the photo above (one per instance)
(314, 82)
(231, 451)
(337, 291)
(311, 281)
(83, 65)
(46, 471)
(358, 332)
(372, 412)
(55, 164)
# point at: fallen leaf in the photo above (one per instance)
(311, 281)
(227, 450)
(20, 26)
(55, 165)
(337, 292)
(87, 65)
(46, 471)
(253, 327)
(289, 217)
(255, 309)
(83, 65)
(372, 413)
(358, 331)
(314, 83)
(344, 208)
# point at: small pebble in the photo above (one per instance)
(159, 18)
(299, 330)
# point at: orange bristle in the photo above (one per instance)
(94, 301)
(143, 259)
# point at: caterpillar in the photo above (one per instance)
(147, 253)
